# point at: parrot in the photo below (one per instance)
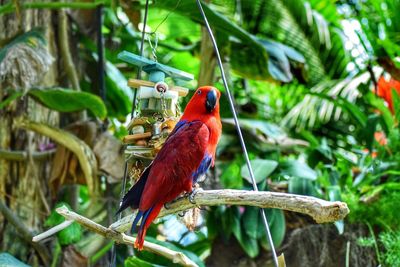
(186, 155)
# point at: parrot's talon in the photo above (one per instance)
(166, 206)
(192, 195)
(182, 214)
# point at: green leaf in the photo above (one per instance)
(230, 177)
(378, 103)
(277, 228)
(10, 98)
(65, 100)
(8, 260)
(250, 220)
(249, 245)
(301, 186)
(69, 235)
(295, 168)
(136, 262)
(173, 247)
(119, 95)
(396, 103)
(262, 168)
(243, 46)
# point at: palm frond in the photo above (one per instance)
(300, 25)
(321, 104)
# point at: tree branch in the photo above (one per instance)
(176, 257)
(321, 211)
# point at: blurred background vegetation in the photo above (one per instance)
(316, 86)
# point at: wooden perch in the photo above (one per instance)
(321, 211)
(135, 83)
(174, 256)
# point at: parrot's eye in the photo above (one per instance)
(199, 92)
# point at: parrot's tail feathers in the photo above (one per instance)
(148, 216)
(132, 198)
(139, 215)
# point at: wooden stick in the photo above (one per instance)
(135, 83)
(176, 257)
(129, 139)
(52, 231)
(320, 210)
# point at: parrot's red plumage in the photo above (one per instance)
(186, 155)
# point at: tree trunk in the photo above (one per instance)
(24, 183)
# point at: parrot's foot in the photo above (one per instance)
(192, 194)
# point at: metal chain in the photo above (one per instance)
(239, 131)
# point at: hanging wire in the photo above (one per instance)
(237, 125)
(153, 47)
(166, 17)
(134, 103)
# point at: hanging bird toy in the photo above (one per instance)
(158, 110)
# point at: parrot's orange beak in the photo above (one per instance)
(211, 101)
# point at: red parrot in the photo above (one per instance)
(187, 154)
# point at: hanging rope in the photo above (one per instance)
(134, 101)
(235, 118)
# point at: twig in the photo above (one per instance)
(176, 257)
(24, 232)
(9, 8)
(69, 66)
(63, 40)
(321, 211)
(21, 155)
(52, 231)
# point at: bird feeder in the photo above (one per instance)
(158, 110)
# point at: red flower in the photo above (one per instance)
(385, 90)
(380, 137)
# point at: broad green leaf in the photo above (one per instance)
(136, 262)
(230, 177)
(70, 235)
(301, 186)
(249, 46)
(8, 260)
(295, 168)
(65, 100)
(250, 220)
(249, 245)
(262, 168)
(173, 247)
(277, 228)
